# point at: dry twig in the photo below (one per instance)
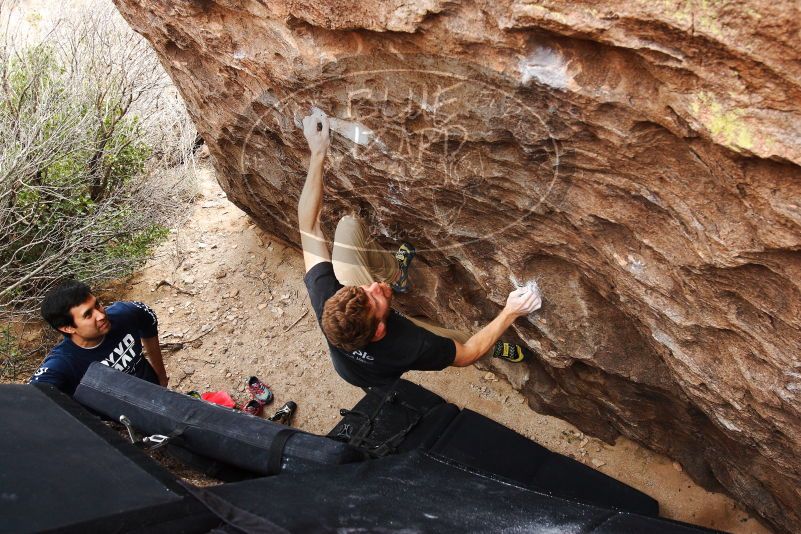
(175, 287)
(178, 345)
(288, 328)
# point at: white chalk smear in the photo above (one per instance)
(350, 130)
(728, 424)
(635, 265)
(546, 66)
(531, 285)
(353, 131)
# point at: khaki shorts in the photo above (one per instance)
(358, 260)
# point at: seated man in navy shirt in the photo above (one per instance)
(113, 335)
(351, 293)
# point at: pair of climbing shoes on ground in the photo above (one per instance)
(262, 396)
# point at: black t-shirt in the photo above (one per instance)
(120, 349)
(405, 347)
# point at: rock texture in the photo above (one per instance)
(641, 159)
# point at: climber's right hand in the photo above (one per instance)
(316, 131)
(522, 301)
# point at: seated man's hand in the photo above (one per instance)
(316, 131)
(522, 301)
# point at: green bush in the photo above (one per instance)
(84, 180)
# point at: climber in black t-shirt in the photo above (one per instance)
(351, 293)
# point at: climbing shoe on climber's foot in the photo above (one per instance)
(259, 391)
(404, 255)
(510, 352)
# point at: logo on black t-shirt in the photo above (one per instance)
(362, 355)
(122, 355)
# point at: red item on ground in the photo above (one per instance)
(219, 397)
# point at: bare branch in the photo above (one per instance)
(85, 103)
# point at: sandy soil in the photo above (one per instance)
(237, 306)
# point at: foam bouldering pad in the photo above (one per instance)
(206, 429)
(63, 469)
(478, 442)
(412, 492)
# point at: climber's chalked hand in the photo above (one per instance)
(523, 301)
(316, 131)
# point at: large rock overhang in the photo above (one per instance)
(639, 159)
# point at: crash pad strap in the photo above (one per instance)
(277, 450)
(236, 516)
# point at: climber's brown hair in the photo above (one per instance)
(346, 321)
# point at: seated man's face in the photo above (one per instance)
(380, 298)
(90, 319)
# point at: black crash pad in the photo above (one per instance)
(206, 429)
(406, 416)
(62, 469)
(411, 492)
(396, 418)
(477, 442)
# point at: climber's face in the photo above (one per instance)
(380, 299)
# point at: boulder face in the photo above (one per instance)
(639, 159)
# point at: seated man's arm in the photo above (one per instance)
(520, 302)
(47, 374)
(153, 353)
(315, 248)
(148, 327)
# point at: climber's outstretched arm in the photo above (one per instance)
(315, 248)
(520, 302)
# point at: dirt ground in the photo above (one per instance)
(234, 301)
